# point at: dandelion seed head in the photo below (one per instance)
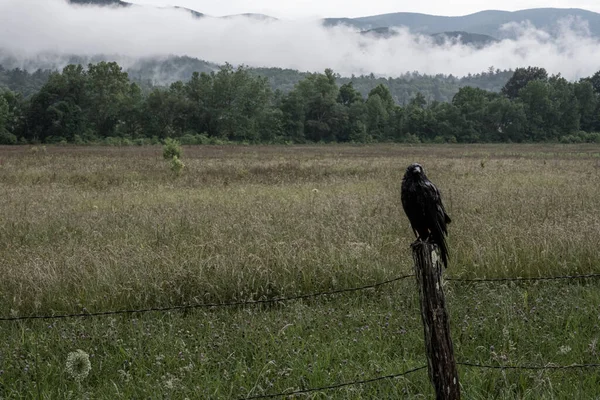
(78, 365)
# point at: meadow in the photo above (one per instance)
(90, 229)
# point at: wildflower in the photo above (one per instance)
(564, 349)
(78, 365)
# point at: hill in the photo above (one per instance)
(483, 23)
(488, 23)
(102, 2)
(466, 38)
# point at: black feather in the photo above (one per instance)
(423, 206)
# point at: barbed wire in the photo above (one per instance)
(530, 367)
(337, 386)
(202, 305)
(281, 299)
(467, 364)
(541, 278)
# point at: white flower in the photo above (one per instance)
(78, 365)
(564, 349)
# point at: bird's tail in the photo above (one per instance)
(440, 240)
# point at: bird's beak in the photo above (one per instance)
(418, 170)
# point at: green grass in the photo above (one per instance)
(93, 228)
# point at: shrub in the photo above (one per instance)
(177, 165)
(189, 138)
(7, 138)
(171, 149)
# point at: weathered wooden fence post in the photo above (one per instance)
(438, 343)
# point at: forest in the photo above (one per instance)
(100, 103)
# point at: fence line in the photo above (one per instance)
(204, 305)
(327, 293)
(547, 278)
(337, 386)
(530, 367)
(281, 299)
(466, 364)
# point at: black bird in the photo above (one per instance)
(423, 206)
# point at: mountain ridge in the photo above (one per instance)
(487, 22)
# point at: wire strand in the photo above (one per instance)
(281, 299)
(530, 367)
(337, 386)
(203, 305)
(549, 278)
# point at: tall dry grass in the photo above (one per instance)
(105, 228)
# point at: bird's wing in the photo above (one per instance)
(435, 215)
(434, 208)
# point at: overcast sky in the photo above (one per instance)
(357, 8)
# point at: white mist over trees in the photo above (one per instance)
(53, 26)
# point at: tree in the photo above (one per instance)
(450, 123)
(348, 95)
(240, 102)
(521, 78)
(293, 110)
(473, 104)
(14, 115)
(595, 81)
(130, 123)
(319, 93)
(107, 88)
(538, 108)
(587, 99)
(7, 136)
(200, 93)
(385, 95)
(56, 112)
(509, 120)
(3, 114)
(377, 117)
(565, 116)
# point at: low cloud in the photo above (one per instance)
(34, 29)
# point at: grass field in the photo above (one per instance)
(100, 228)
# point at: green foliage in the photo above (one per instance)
(177, 165)
(99, 104)
(4, 115)
(581, 137)
(521, 78)
(171, 148)
(23, 82)
(8, 138)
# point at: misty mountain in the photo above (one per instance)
(129, 33)
(102, 2)
(260, 17)
(163, 71)
(473, 39)
(148, 71)
(197, 14)
(488, 23)
(466, 38)
(484, 23)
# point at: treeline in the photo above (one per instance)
(100, 104)
(155, 72)
(23, 82)
(403, 88)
